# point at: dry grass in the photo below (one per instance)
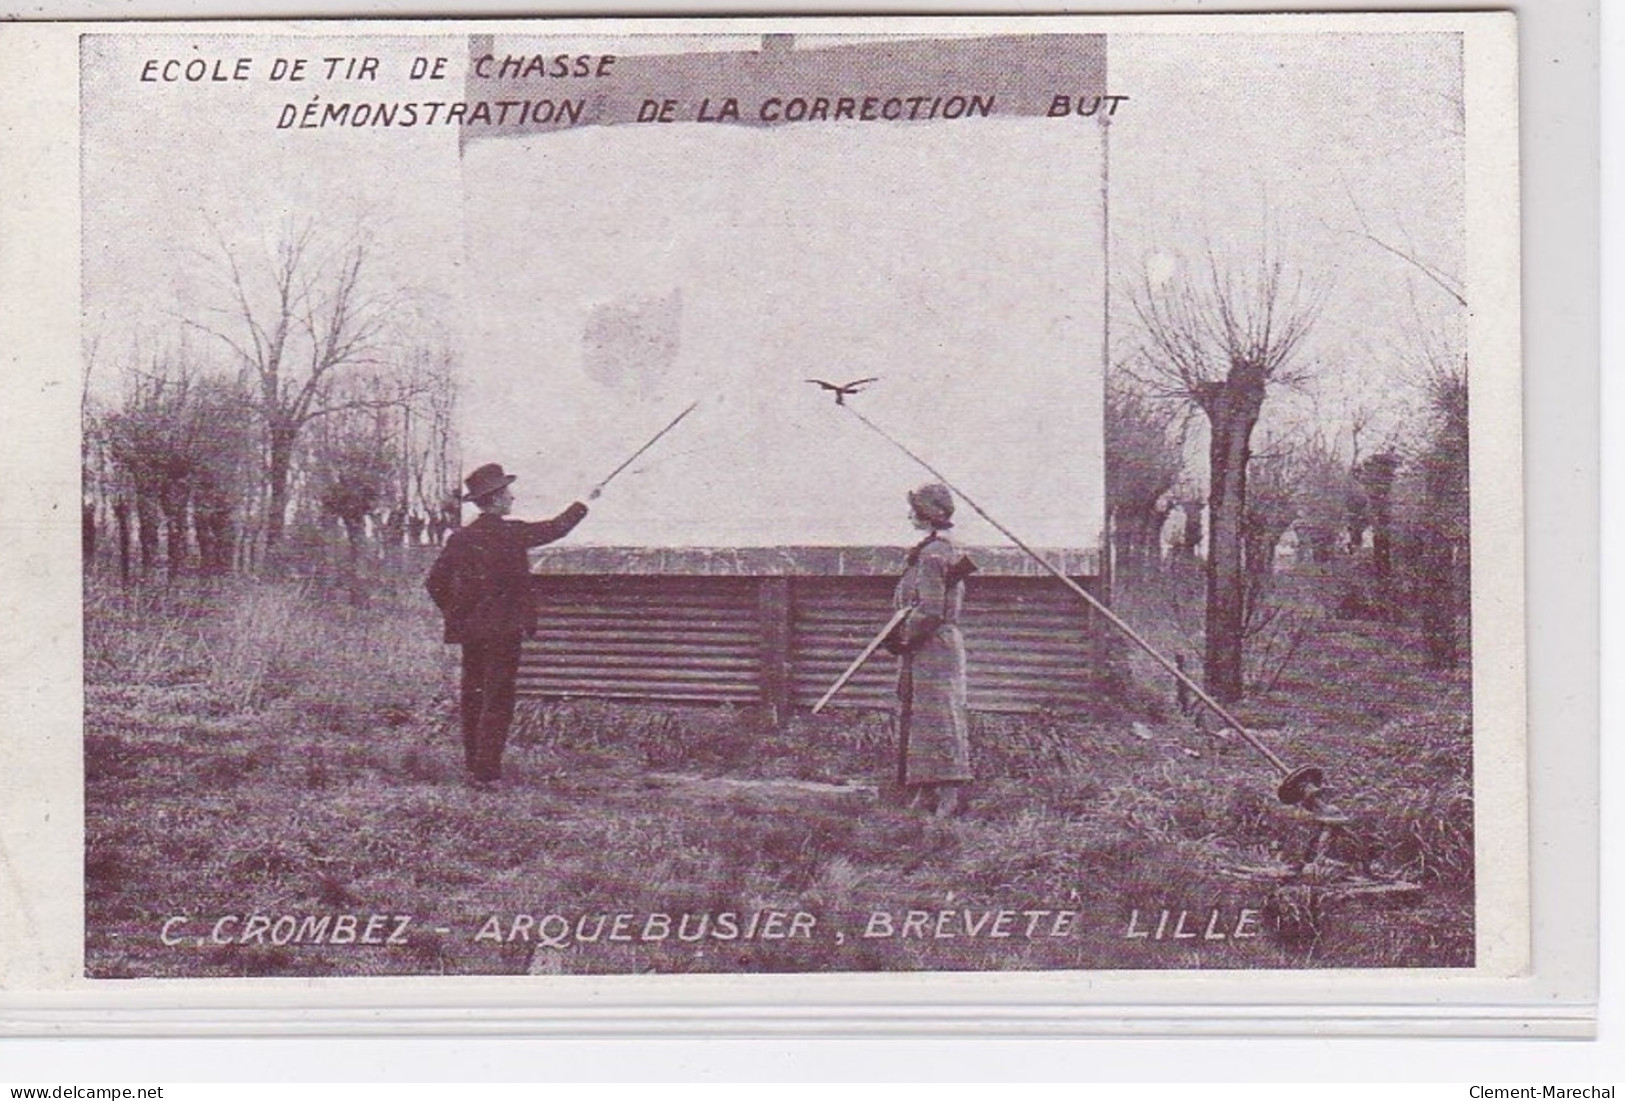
(262, 749)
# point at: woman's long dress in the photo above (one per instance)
(933, 721)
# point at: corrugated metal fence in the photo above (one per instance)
(655, 638)
(781, 640)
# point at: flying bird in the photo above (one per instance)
(844, 389)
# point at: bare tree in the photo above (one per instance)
(296, 328)
(1323, 487)
(1432, 513)
(436, 474)
(1143, 462)
(222, 470)
(429, 458)
(1191, 501)
(1375, 475)
(353, 468)
(1434, 489)
(1218, 338)
(1272, 507)
(179, 446)
(149, 438)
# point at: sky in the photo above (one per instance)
(960, 262)
(1297, 144)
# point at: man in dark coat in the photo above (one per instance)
(482, 585)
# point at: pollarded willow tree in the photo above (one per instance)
(1143, 463)
(180, 446)
(1218, 337)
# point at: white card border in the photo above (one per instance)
(67, 537)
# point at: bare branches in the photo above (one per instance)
(1177, 359)
(1202, 327)
(306, 361)
(1143, 464)
(296, 307)
(1439, 278)
(298, 324)
(1216, 337)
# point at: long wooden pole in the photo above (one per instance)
(1111, 617)
(632, 458)
(863, 656)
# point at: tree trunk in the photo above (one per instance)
(1129, 542)
(1232, 408)
(1258, 543)
(121, 513)
(1438, 604)
(203, 535)
(175, 534)
(1376, 477)
(146, 514)
(1258, 549)
(278, 470)
(394, 533)
(1320, 541)
(1190, 536)
(355, 532)
(211, 521)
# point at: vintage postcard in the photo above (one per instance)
(829, 497)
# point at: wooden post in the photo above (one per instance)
(1113, 676)
(773, 619)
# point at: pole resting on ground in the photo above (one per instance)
(863, 655)
(1304, 786)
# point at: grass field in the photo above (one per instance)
(273, 779)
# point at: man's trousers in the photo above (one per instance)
(490, 667)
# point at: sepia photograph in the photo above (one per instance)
(670, 502)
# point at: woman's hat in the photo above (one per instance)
(933, 503)
(486, 480)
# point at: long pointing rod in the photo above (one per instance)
(632, 458)
(1134, 635)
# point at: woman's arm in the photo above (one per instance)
(932, 586)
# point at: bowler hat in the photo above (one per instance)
(485, 481)
(933, 503)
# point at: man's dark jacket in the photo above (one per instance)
(481, 582)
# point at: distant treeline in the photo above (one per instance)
(310, 407)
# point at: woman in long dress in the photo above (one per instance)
(933, 722)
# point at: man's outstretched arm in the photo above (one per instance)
(550, 531)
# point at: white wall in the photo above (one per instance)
(961, 262)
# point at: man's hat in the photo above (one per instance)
(486, 480)
(933, 503)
